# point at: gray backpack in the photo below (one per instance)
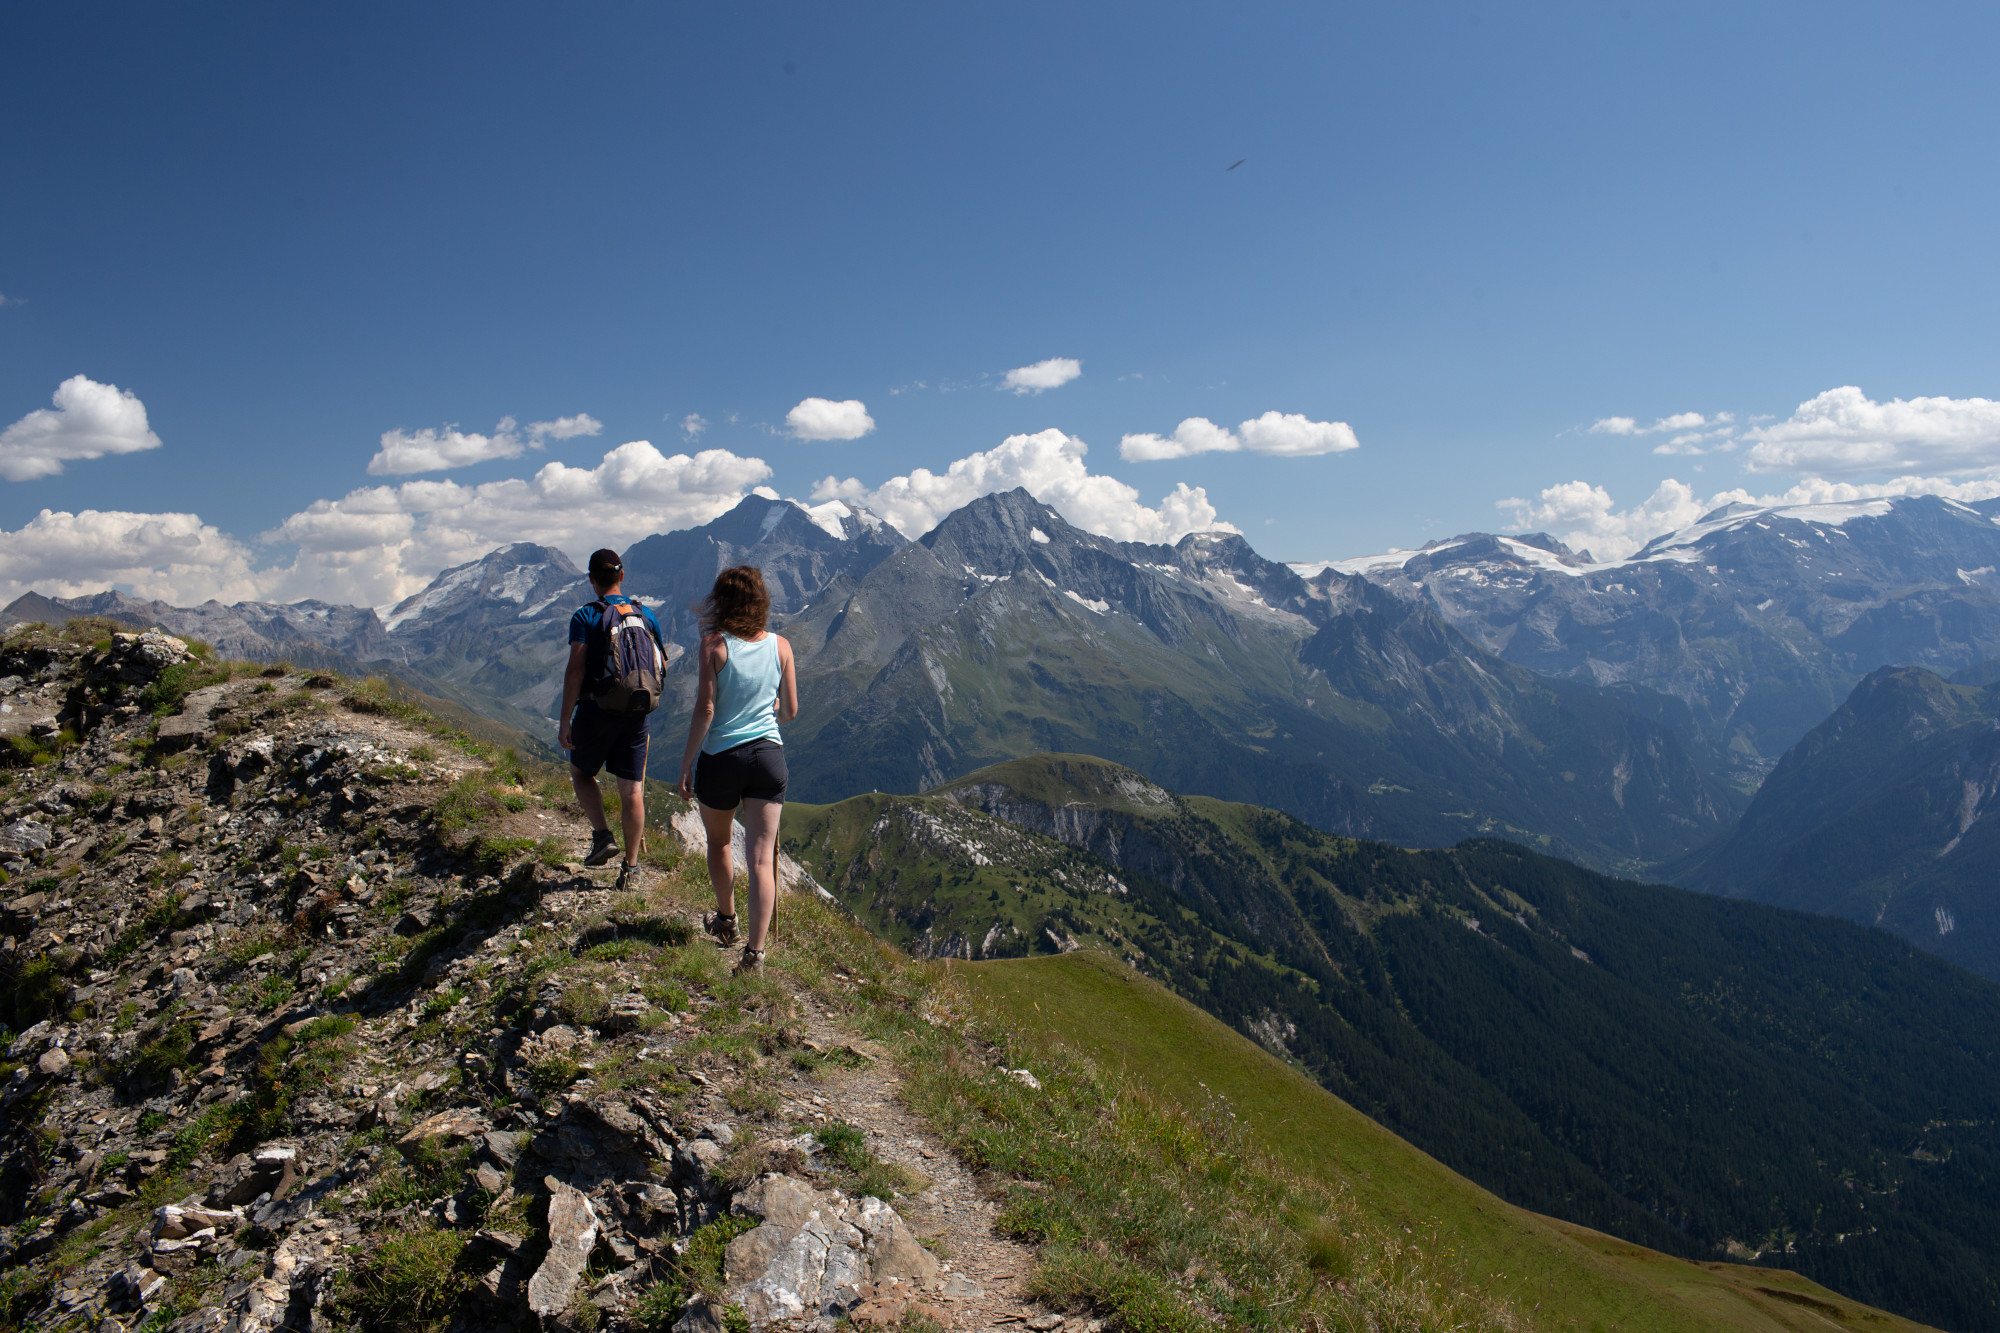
(630, 682)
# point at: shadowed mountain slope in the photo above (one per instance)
(1881, 815)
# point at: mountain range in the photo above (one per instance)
(1713, 1078)
(1006, 630)
(1760, 620)
(1622, 713)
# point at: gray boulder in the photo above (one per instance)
(813, 1254)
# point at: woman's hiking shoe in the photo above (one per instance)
(750, 964)
(722, 925)
(602, 848)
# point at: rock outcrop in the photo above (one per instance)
(309, 1023)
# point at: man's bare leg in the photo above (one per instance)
(631, 814)
(590, 798)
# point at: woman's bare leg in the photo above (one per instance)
(760, 848)
(721, 875)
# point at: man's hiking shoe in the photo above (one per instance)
(628, 875)
(602, 848)
(722, 925)
(750, 964)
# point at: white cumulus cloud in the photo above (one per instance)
(693, 424)
(378, 544)
(434, 450)
(1844, 431)
(1284, 434)
(824, 419)
(173, 557)
(1583, 516)
(1051, 466)
(89, 420)
(1050, 374)
(566, 428)
(1292, 435)
(1679, 421)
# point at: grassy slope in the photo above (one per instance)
(1560, 1275)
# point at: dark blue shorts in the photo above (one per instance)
(616, 741)
(754, 770)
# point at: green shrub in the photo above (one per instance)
(171, 687)
(160, 917)
(552, 1073)
(411, 1283)
(698, 1270)
(863, 1173)
(273, 991)
(38, 990)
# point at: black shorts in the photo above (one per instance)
(616, 741)
(754, 769)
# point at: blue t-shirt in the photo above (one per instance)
(587, 627)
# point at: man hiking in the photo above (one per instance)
(616, 658)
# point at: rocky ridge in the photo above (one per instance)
(314, 1024)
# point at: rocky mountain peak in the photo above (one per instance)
(997, 533)
(758, 519)
(528, 579)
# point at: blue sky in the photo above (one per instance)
(1467, 231)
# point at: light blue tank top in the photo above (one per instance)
(746, 695)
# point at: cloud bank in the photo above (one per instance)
(1844, 433)
(824, 419)
(378, 544)
(174, 557)
(89, 420)
(1584, 516)
(1050, 465)
(1050, 374)
(1282, 434)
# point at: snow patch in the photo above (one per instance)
(1101, 607)
(432, 598)
(1039, 535)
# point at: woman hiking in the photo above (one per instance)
(746, 687)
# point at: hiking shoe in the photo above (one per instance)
(602, 848)
(722, 925)
(628, 875)
(750, 964)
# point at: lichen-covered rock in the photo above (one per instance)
(573, 1228)
(814, 1253)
